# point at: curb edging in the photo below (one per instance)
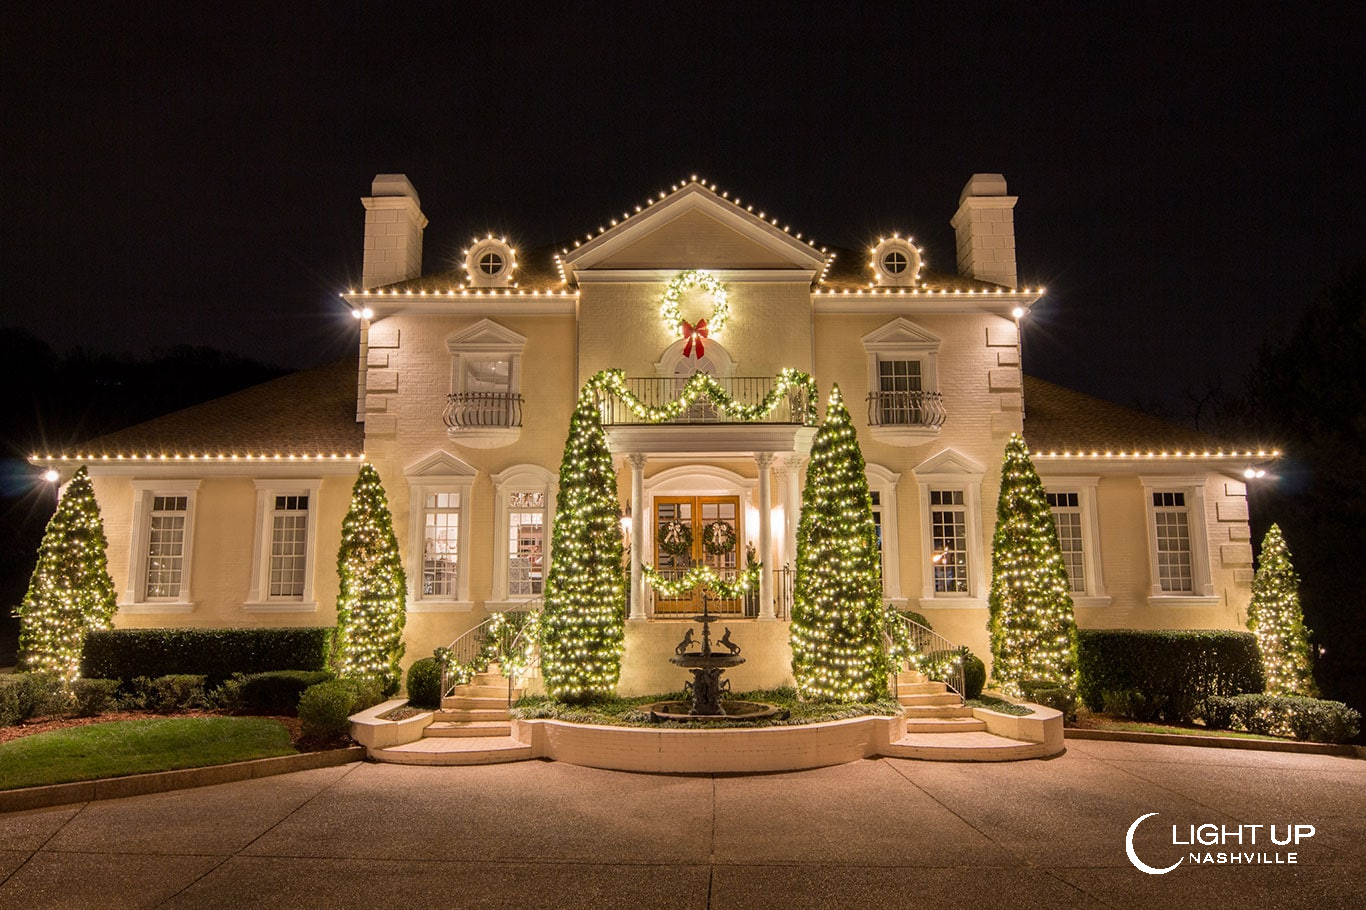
(1216, 742)
(183, 779)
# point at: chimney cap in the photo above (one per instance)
(393, 185)
(984, 185)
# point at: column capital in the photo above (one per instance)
(637, 460)
(763, 460)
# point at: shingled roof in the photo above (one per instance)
(311, 412)
(849, 270)
(1058, 419)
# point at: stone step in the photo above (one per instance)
(460, 701)
(972, 746)
(477, 728)
(473, 691)
(911, 676)
(490, 679)
(924, 688)
(943, 698)
(937, 711)
(444, 750)
(469, 715)
(941, 725)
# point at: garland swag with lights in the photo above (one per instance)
(71, 592)
(795, 383)
(744, 581)
(583, 624)
(837, 612)
(1033, 631)
(373, 590)
(1276, 619)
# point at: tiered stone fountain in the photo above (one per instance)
(707, 687)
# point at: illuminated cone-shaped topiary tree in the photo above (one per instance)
(1033, 632)
(1275, 617)
(837, 615)
(585, 595)
(373, 590)
(71, 591)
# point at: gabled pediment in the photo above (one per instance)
(694, 228)
(440, 464)
(485, 335)
(900, 333)
(948, 463)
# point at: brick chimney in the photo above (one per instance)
(985, 225)
(393, 231)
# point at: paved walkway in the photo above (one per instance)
(871, 834)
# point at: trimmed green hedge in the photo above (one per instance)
(278, 691)
(1309, 719)
(215, 653)
(1173, 671)
(325, 709)
(424, 683)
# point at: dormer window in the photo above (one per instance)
(896, 262)
(490, 263)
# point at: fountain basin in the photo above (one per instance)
(706, 661)
(731, 709)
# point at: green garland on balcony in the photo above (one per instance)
(745, 581)
(699, 385)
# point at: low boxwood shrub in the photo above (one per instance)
(1134, 704)
(216, 653)
(278, 691)
(424, 683)
(1051, 694)
(1307, 719)
(325, 709)
(167, 694)
(1178, 669)
(25, 695)
(93, 696)
(974, 673)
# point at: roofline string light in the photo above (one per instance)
(1155, 454)
(206, 456)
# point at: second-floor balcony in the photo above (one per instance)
(744, 414)
(483, 420)
(905, 417)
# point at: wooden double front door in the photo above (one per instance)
(676, 551)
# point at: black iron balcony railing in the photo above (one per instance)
(652, 393)
(906, 409)
(468, 410)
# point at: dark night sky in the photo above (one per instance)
(1189, 175)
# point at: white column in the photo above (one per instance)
(764, 460)
(792, 506)
(638, 520)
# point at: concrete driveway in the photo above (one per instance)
(871, 834)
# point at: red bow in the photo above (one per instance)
(694, 333)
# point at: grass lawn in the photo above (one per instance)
(119, 748)
(1103, 722)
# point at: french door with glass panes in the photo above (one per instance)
(672, 559)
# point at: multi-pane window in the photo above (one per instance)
(526, 544)
(1171, 521)
(899, 385)
(877, 527)
(1066, 511)
(288, 546)
(166, 547)
(949, 541)
(440, 544)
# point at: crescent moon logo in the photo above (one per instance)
(1133, 857)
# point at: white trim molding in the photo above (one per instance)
(522, 478)
(440, 472)
(135, 598)
(261, 601)
(883, 482)
(1202, 591)
(903, 340)
(1093, 592)
(952, 470)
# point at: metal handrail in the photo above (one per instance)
(466, 647)
(922, 641)
(465, 410)
(906, 409)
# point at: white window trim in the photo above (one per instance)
(524, 478)
(418, 489)
(1085, 487)
(667, 364)
(883, 482)
(950, 470)
(485, 340)
(902, 339)
(1201, 577)
(135, 594)
(262, 602)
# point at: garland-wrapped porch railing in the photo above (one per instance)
(789, 397)
(924, 650)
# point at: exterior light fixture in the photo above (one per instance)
(1019, 312)
(51, 475)
(1252, 473)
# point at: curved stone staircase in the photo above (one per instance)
(939, 727)
(473, 727)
